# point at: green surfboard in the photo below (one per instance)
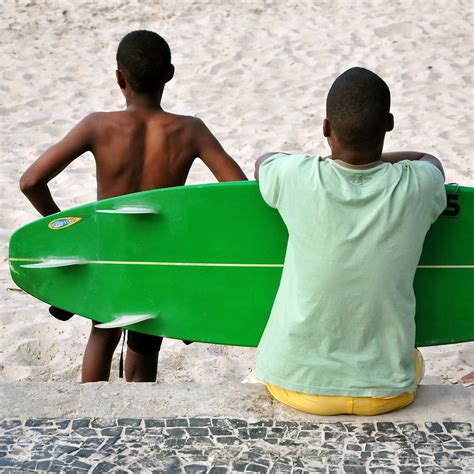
(204, 262)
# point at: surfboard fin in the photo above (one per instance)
(55, 263)
(129, 210)
(126, 320)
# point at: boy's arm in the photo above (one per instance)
(222, 166)
(264, 157)
(395, 157)
(34, 182)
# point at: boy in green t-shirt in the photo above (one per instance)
(340, 338)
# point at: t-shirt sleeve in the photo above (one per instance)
(272, 176)
(433, 181)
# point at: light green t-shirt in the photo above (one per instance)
(343, 319)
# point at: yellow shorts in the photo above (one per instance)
(335, 405)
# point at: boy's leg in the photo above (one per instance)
(324, 405)
(338, 405)
(378, 406)
(141, 363)
(98, 354)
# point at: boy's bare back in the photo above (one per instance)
(137, 149)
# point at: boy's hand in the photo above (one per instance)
(34, 182)
(222, 166)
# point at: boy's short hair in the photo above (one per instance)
(145, 58)
(357, 107)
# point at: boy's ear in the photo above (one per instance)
(390, 123)
(326, 128)
(170, 73)
(120, 79)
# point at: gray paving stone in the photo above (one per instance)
(195, 468)
(457, 427)
(199, 422)
(66, 448)
(42, 465)
(176, 432)
(103, 423)
(216, 431)
(177, 422)
(220, 445)
(104, 466)
(111, 431)
(62, 424)
(198, 431)
(154, 423)
(38, 422)
(85, 453)
(199, 441)
(221, 422)
(257, 433)
(218, 470)
(85, 432)
(129, 422)
(9, 424)
(81, 423)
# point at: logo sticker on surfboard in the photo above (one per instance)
(63, 222)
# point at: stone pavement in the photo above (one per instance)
(220, 445)
(191, 428)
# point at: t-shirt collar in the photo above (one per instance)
(366, 166)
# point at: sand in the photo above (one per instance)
(257, 73)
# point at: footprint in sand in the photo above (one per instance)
(46, 331)
(397, 29)
(39, 353)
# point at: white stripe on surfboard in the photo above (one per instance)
(196, 264)
(445, 266)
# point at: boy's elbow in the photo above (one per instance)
(440, 167)
(437, 163)
(24, 184)
(27, 183)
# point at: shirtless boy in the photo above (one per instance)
(140, 148)
(340, 338)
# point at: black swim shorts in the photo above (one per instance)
(143, 343)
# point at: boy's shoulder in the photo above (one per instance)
(100, 127)
(132, 115)
(190, 120)
(122, 118)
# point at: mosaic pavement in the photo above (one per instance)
(217, 445)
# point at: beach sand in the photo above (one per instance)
(257, 73)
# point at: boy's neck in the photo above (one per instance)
(357, 158)
(145, 101)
